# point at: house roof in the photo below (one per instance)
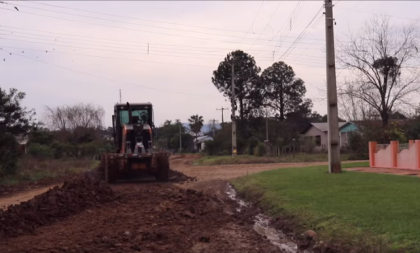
(204, 138)
(323, 126)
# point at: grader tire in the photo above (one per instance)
(162, 166)
(111, 171)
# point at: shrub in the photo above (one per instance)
(9, 154)
(252, 143)
(260, 150)
(40, 151)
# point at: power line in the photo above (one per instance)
(105, 57)
(125, 28)
(193, 55)
(281, 29)
(253, 21)
(141, 19)
(108, 79)
(120, 41)
(303, 33)
(266, 25)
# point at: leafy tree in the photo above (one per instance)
(245, 77)
(283, 92)
(15, 121)
(381, 58)
(196, 123)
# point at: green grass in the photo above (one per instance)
(249, 159)
(31, 169)
(380, 212)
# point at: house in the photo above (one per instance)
(319, 133)
(200, 143)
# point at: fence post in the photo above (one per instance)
(372, 150)
(394, 153)
(410, 143)
(417, 143)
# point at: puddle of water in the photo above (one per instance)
(262, 227)
(232, 195)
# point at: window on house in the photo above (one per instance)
(318, 140)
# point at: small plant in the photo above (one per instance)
(260, 150)
(40, 151)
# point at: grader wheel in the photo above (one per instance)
(162, 166)
(108, 168)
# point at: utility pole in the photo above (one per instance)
(333, 132)
(222, 109)
(120, 96)
(233, 112)
(266, 125)
(180, 139)
(214, 127)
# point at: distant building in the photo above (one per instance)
(200, 143)
(318, 132)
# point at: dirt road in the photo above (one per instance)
(149, 217)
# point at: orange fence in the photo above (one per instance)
(395, 155)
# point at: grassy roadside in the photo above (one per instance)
(380, 213)
(32, 170)
(248, 159)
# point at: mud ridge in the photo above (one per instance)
(76, 194)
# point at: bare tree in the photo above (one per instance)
(353, 108)
(382, 59)
(70, 118)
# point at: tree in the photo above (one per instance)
(246, 80)
(383, 59)
(196, 123)
(211, 127)
(78, 129)
(71, 117)
(15, 121)
(283, 92)
(77, 123)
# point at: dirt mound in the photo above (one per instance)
(179, 177)
(29, 185)
(76, 194)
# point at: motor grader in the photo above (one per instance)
(135, 157)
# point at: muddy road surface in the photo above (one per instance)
(85, 216)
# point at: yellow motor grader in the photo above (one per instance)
(135, 157)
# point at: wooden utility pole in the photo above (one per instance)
(180, 138)
(222, 109)
(333, 132)
(233, 112)
(266, 125)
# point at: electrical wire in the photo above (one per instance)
(271, 18)
(302, 34)
(253, 21)
(108, 79)
(157, 51)
(138, 30)
(107, 57)
(141, 19)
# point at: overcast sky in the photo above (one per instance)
(165, 52)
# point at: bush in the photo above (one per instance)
(40, 151)
(252, 143)
(9, 154)
(260, 150)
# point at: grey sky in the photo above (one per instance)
(178, 62)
